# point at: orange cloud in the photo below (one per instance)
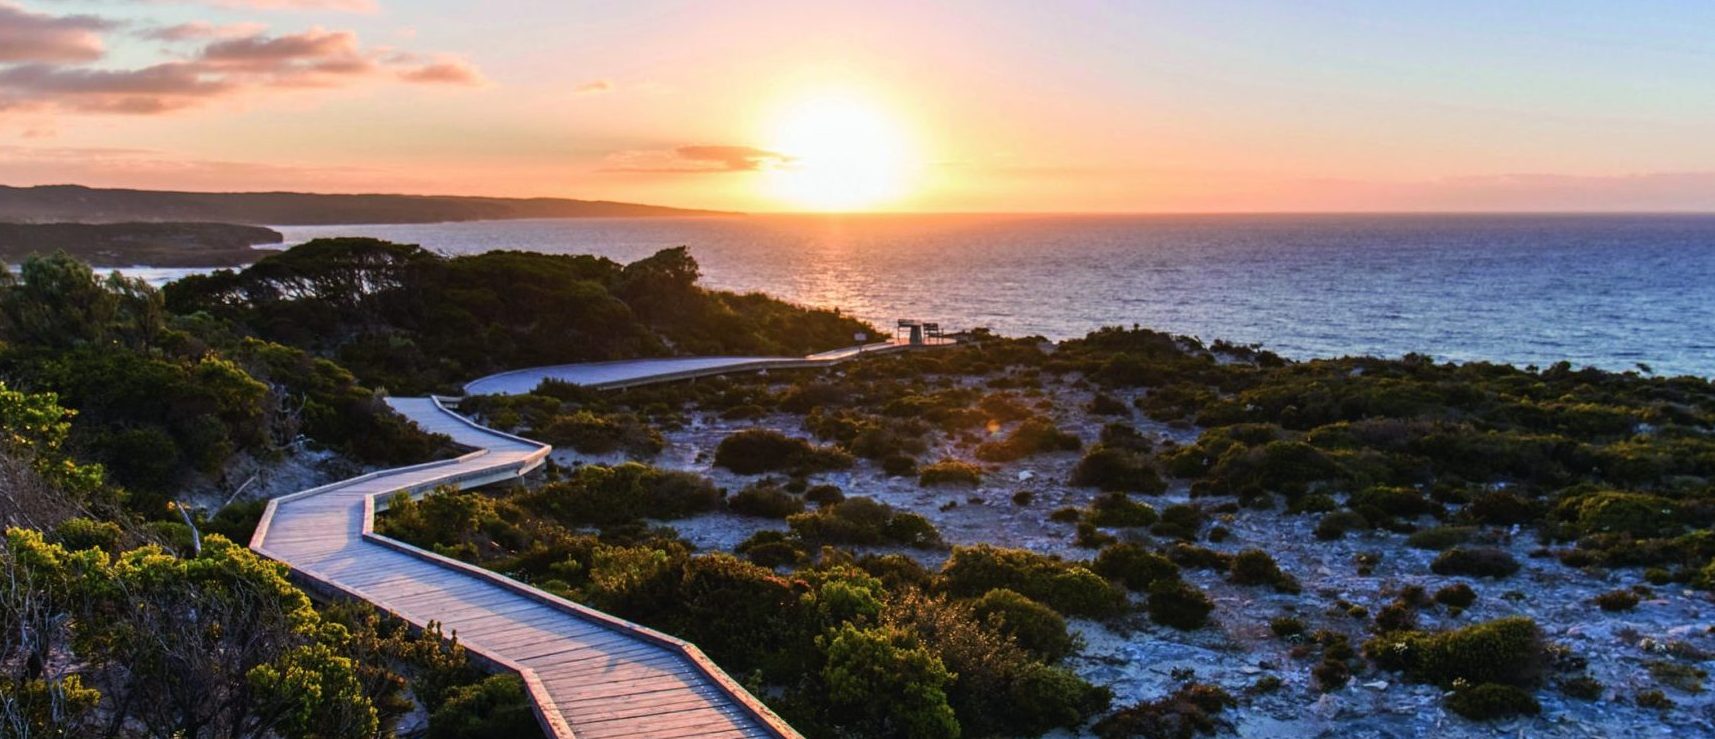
(696, 160)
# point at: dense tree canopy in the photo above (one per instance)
(410, 320)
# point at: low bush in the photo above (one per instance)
(1457, 595)
(1286, 627)
(1582, 687)
(1134, 565)
(1178, 604)
(1653, 699)
(1508, 651)
(1336, 524)
(754, 451)
(864, 521)
(1036, 628)
(1116, 469)
(1475, 562)
(597, 495)
(899, 465)
(1438, 538)
(824, 494)
(1067, 587)
(1256, 567)
(1490, 701)
(494, 708)
(1617, 600)
(1180, 521)
(600, 434)
(1117, 510)
(950, 472)
(1188, 712)
(765, 499)
(1636, 514)
(770, 549)
(1331, 674)
(1198, 558)
(1033, 436)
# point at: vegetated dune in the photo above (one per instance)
(139, 244)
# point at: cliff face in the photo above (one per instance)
(78, 204)
(139, 244)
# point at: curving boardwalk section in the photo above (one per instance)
(589, 675)
(632, 372)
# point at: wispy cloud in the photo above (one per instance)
(43, 65)
(594, 87)
(702, 159)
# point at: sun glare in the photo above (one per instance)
(842, 152)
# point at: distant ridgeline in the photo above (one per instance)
(138, 244)
(74, 203)
(413, 321)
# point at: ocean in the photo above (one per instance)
(1611, 291)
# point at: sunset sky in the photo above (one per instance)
(915, 106)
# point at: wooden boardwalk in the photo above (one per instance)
(589, 675)
(631, 372)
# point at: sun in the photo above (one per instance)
(840, 152)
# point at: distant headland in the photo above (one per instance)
(79, 204)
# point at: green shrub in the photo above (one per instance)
(1067, 514)
(1188, 712)
(1036, 628)
(1507, 651)
(1178, 604)
(1582, 687)
(1490, 701)
(599, 495)
(1286, 627)
(1383, 503)
(899, 465)
(1066, 587)
(1653, 699)
(495, 708)
(600, 434)
(1475, 562)
(770, 549)
(1457, 595)
(1617, 600)
(1502, 508)
(1642, 516)
(824, 494)
(1117, 510)
(1438, 538)
(882, 682)
(765, 499)
(1331, 674)
(1198, 558)
(864, 521)
(1033, 436)
(79, 533)
(950, 472)
(754, 451)
(1134, 565)
(1334, 525)
(1116, 469)
(1255, 567)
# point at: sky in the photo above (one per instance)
(952, 106)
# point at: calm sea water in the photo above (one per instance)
(1608, 291)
